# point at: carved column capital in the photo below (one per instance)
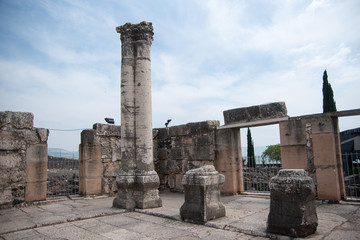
(135, 32)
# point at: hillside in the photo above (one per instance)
(59, 152)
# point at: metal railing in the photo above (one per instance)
(63, 177)
(351, 168)
(256, 179)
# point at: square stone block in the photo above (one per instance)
(5, 195)
(294, 157)
(324, 149)
(35, 191)
(90, 152)
(91, 168)
(10, 160)
(292, 132)
(36, 171)
(180, 130)
(230, 185)
(321, 124)
(37, 153)
(328, 187)
(11, 140)
(90, 186)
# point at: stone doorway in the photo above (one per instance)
(238, 177)
(63, 177)
(350, 155)
(257, 178)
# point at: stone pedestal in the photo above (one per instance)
(202, 195)
(137, 182)
(292, 204)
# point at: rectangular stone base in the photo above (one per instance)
(202, 195)
(137, 190)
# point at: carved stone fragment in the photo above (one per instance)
(202, 195)
(292, 204)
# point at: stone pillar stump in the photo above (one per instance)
(292, 204)
(202, 195)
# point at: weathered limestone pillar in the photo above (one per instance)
(202, 195)
(228, 160)
(91, 169)
(292, 204)
(137, 181)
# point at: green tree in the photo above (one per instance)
(272, 153)
(250, 150)
(329, 104)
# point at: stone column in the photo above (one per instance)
(137, 181)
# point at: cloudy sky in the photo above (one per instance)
(61, 59)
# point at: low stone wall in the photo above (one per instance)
(63, 176)
(23, 159)
(180, 148)
(258, 178)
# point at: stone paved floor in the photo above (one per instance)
(95, 219)
(126, 226)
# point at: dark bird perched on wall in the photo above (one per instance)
(167, 123)
(110, 120)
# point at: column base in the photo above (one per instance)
(137, 190)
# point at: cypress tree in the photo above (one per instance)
(329, 104)
(250, 150)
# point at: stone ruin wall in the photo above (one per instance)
(180, 148)
(100, 158)
(23, 159)
(176, 149)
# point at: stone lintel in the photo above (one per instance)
(254, 124)
(255, 113)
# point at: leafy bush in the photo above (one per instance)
(272, 153)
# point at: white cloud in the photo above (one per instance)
(207, 57)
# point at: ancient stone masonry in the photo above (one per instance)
(202, 195)
(181, 148)
(312, 143)
(292, 204)
(137, 181)
(256, 113)
(100, 159)
(23, 159)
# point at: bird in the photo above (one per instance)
(110, 120)
(167, 123)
